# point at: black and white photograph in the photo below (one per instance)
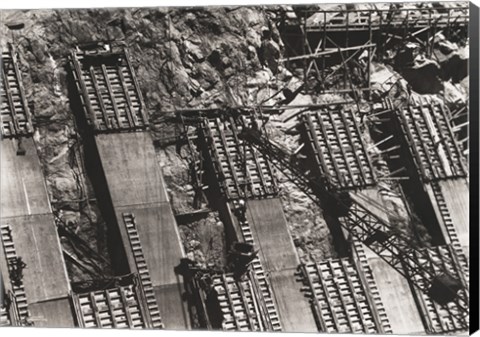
(265, 168)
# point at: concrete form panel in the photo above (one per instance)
(52, 314)
(160, 240)
(172, 308)
(431, 142)
(337, 149)
(131, 169)
(22, 181)
(136, 186)
(280, 260)
(270, 229)
(397, 298)
(395, 292)
(295, 311)
(16, 116)
(36, 241)
(457, 198)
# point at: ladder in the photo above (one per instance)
(259, 277)
(142, 269)
(11, 258)
(15, 114)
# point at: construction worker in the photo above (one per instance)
(241, 208)
(16, 272)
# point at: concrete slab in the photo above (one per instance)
(397, 298)
(174, 312)
(294, 308)
(395, 292)
(280, 261)
(271, 234)
(159, 237)
(36, 241)
(457, 197)
(52, 314)
(26, 209)
(136, 185)
(133, 175)
(22, 181)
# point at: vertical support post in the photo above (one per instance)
(324, 43)
(346, 47)
(303, 22)
(405, 28)
(369, 56)
(448, 25)
(380, 36)
(428, 51)
(433, 40)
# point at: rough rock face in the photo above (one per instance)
(204, 241)
(191, 58)
(185, 57)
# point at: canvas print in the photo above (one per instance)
(281, 168)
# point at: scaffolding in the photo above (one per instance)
(337, 46)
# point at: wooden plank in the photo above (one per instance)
(227, 154)
(251, 322)
(230, 301)
(341, 295)
(317, 306)
(83, 91)
(21, 92)
(6, 88)
(110, 308)
(361, 272)
(356, 150)
(131, 115)
(317, 147)
(78, 310)
(326, 52)
(137, 88)
(327, 297)
(213, 151)
(412, 144)
(355, 302)
(260, 171)
(452, 138)
(124, 301)
(432, 137)
(446, 266)
(342, 150)
(100, 98)
(340, 179)
(244, 156)
(95, 312)
(112, 96)
(436, 306)
(422, 143)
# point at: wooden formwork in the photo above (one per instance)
(16, 119)
(342, 299)
(431, 142)
(241, 170)
(108, 89)
(337, 149)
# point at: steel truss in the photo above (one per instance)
(387, 242)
